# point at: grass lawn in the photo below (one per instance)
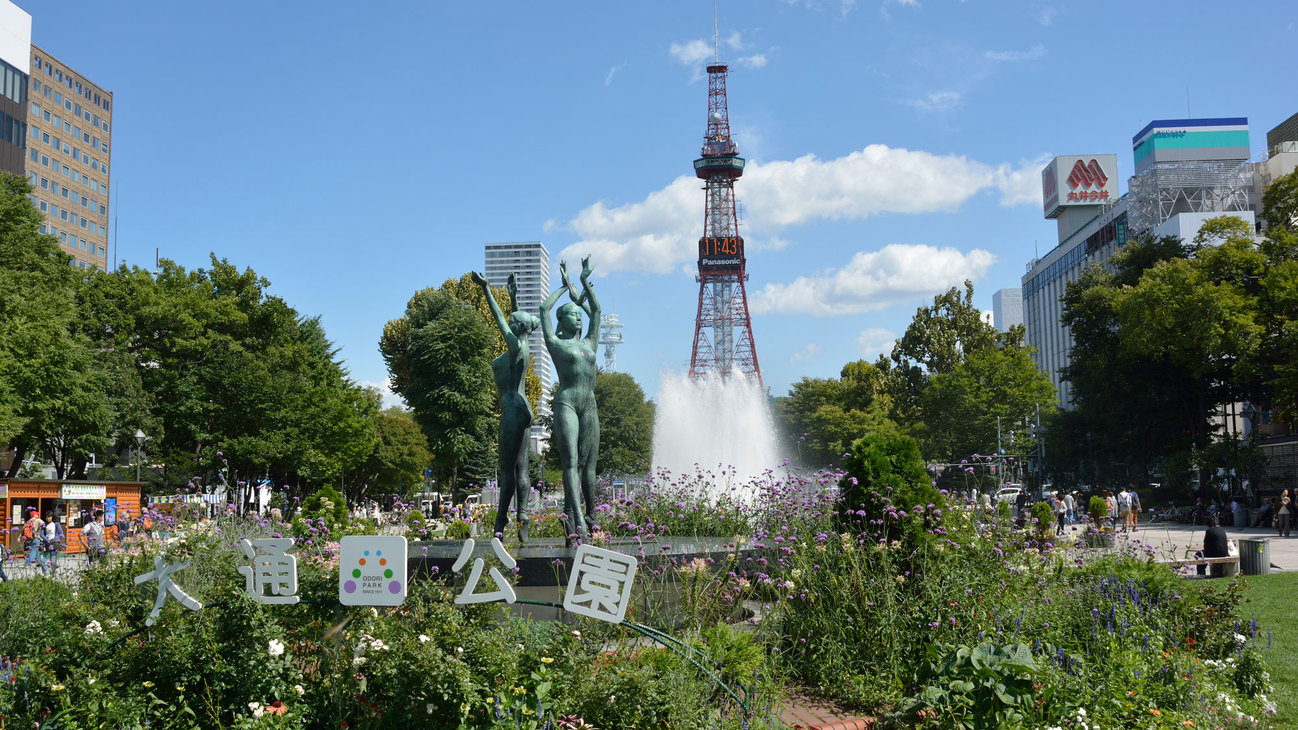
(1272, 598)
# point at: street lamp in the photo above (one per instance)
(139, 446)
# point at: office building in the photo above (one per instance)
(69, 134)
(1187, 171)
(529, 261)
(1007, 309)
(15, 49)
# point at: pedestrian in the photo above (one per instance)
(1061, 513)
(1110, 506)
(1070, 505)
(92, 537)
(1124, 508)
(4, 557)
(1284, 515)
(1133, 508)
(52, 537)
(33, 530)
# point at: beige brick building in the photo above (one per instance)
(69, 135)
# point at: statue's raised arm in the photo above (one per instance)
(501, 322)
(592, 304)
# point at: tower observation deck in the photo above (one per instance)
(723, 332)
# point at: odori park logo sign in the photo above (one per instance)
(372, 572)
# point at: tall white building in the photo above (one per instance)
(1007, 309)
(529, 261)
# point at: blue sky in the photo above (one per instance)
(353, 153)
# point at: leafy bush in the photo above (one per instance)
(327, 504)
(1043, 517)
(458, 530)
(1098, 510)
(987, 686)
(885, 478)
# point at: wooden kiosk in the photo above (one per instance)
(71, 502)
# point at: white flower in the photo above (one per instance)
(298, 688)
(94, 628)
(257, 713)
(459, 650)
(378, 645)
(358, 661)
(254, 706)
(276, 648)
(429, 708)
(423, 638)
(374, 613)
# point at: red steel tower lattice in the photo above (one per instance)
(723, 331)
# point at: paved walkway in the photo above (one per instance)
(805, 712)
(1175, 538)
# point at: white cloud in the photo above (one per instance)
(734, 41)
(660, 233)
(874, 280)
(608, 79)
(691, 53)
(1047, 17)
(807, 353)
(757, 60)
(875, 341)
(1021, 185)
(1031, 54)
(938, 101)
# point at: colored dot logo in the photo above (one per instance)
(372, 570)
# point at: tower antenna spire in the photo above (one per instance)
(716, 46)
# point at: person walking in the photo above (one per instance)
(51, 542)
(92, 538)
(33, 531)
(1124, 508)
(1133, 509)
(1070, 506)
(1061, 512)
(1284, 515)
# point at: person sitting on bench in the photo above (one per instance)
(1215, 545)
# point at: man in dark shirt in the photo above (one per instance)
(1215, 545)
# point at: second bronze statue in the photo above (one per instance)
(576, 421)
(510, 372)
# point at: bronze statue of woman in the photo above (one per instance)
(576, 422)
(510, 371)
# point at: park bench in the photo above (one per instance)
(1229, 563)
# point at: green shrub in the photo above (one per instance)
(329, 505)
(458, 530)
(884, 477)
(1098, 510)
(1042, 513)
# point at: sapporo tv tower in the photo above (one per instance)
(723, 331)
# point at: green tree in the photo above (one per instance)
(225, 377)
(626, 423)
(936, 341)
(1280, 203)
(52, 397)
(821, 417)
(1165, 341)
(992, 386)
(436, 354)
(396, 463)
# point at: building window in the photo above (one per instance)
(45, 183)
(67, 104)
(45, 160)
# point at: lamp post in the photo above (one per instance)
(139, 446)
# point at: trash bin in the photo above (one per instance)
(1241, 517)
(1255, 555)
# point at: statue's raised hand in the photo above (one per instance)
(481, 280)
(586, 269)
